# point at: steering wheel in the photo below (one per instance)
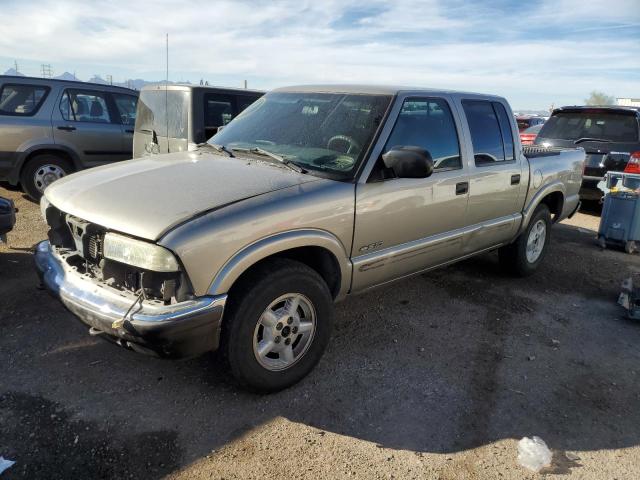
(353, 145)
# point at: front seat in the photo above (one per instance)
(96, 111)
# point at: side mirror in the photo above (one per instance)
(409, 162)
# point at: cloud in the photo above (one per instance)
(534, 53)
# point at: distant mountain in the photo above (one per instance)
(98, 79)
(14, 72)
(66, 76)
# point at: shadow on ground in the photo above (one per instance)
(447, 361)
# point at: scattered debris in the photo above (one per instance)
(555, 342)
(4, 464)
(531, 358)
(630, 299)
(533, 454)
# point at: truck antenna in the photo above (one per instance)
(166, 93)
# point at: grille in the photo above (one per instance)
(94, 247)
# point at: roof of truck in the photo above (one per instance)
(44, 81)
(372, 89)
(193, 86)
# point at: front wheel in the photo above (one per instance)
(41, 171)
(277, 325)
(524, 256)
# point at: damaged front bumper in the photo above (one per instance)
(179, 330)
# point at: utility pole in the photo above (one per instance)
(46, 70)
(110, 79)
(245, 84)
(15, 63)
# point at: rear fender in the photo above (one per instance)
(538, 197)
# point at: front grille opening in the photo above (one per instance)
(81, 244)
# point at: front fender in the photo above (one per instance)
(278, 243)
(555, 186)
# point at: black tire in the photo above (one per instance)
(27, 177)
(513, 257)
(246, 305)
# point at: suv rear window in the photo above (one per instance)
(23, 100)
(612, 126)
(152, 113)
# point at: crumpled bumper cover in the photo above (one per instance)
(179, 330)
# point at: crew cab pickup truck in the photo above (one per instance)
(310, 195)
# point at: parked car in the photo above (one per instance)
(312, 195)
(529, 135)
(195, 113)
(610, 136)
(50, 128)
(527, 121)
(7, 218)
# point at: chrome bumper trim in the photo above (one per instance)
(91, 300)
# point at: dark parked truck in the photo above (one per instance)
(179, 117)
(312, 195)
(609, 135)
(51, 128)
(7, 218)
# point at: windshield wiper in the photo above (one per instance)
(265, 153)
(217, 148)
(591, 139)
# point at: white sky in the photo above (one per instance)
(534, 53)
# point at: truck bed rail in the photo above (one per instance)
(533, 151)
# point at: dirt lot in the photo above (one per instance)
(434, 377)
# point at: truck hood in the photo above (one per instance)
(147, 197)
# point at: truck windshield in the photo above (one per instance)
(326, 133)
(604, 126)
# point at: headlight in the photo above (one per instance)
(139, 254)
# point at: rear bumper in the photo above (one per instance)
(180, 330)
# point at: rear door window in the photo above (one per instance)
(218, 110)
(486, 134)
(22, 100)
(126, 105)
(428, 123)
(84, 106)
(505, 130)
(611, 126)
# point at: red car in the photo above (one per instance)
(526, 121)
(528, 136)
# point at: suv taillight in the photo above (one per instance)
(634, 163)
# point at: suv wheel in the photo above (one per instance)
(277, 325)
(524, 255)
(41, 171)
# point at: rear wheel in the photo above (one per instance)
(41, 171)
(277, 325)
(524, 255)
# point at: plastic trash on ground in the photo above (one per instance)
(4, 464)
(534, 454)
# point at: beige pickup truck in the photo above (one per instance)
(312, 194)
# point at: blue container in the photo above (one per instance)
(620, 220)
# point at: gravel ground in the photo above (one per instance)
(435, 377)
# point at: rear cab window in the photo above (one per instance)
(491, 133)
(612, 126)
(22, 100)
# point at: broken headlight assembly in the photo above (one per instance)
(138, 253)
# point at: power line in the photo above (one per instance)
(46, 70)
